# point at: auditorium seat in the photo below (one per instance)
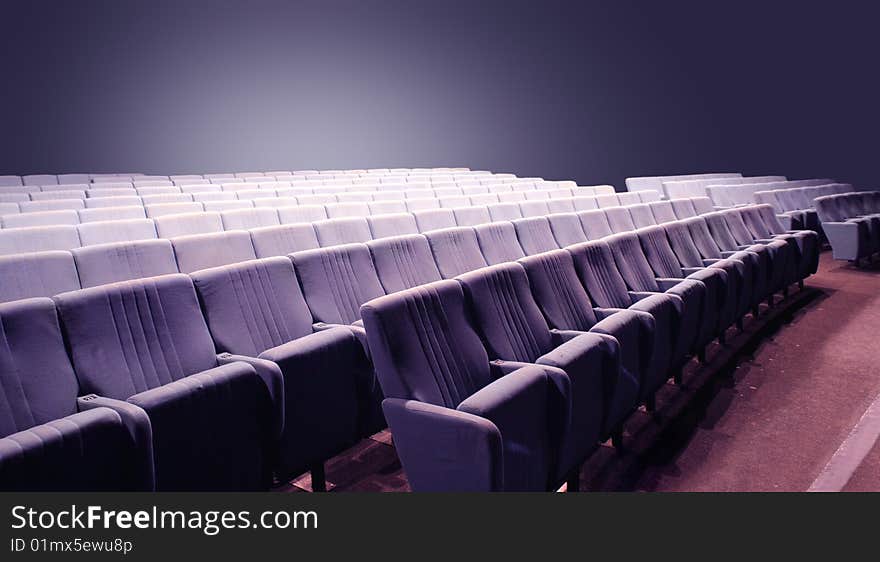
(111, 192)
(564, 302)
(153, 190)
(21, 198)
(167, 198)
(201, 251)
(754, 272)
(212, 425)
(60, 194)
(332, 232)
(567, 229)
(781, 254)
(38, 239)
(122, 261)
(535, 235)
(498, 242)
(49, 439)
(95, 202)
(111, 214)
(42, 218)
(387, 207)
(647, 263)
(619, 219)
(595, 224)
(256, 314)
(171, 226)
(9, 209)
(584, 203)
(245, 219)
(382, 226)
(471, 216)
(456, 250)
(39, 179)
(283, 239)
(116, 231)
(219, 206)
(641, 215)
(434, 219)
(344, 210)
(504, 212)
(663, 211)
(336, 281)
(459, 426)
(513, 329)
(301, 213)
(162, 209)
(38, 274)
(402, 262)
(736, 300)
(683, 208)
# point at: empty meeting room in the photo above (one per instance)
(307, 257)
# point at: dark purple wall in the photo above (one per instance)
(595, 91)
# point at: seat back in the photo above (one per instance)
(567, 229)
(619, 219)
(333, 232)
(105, 232)
(201, 251)
(507, 316)
(595, 224)
(37, 382)
(403, 262)
(150, 332)
(336, 281)
(456, 250)
(122, 261)
(444, 363)
(558, 290)
(632, 262)
(38, 239)
(599, 275)
(535, 235)
(498, 242)
(253, 306)
(40, 274)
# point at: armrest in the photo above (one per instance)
(602, 313)
(709, 261)
(136, 422)
(666, 283)
(692, 270)
(531, 417)
(592, 362)
(356, 328)
(727, 254)
(559, 337)
(273, 378)
(445, 450)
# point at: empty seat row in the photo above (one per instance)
(794, 205)
(697, 187)
(76, 178)
(276, 350)
(731, 194)
(341, 229)
(655, 183)
(851, 221)
(61, 230)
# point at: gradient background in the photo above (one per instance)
(593, 91)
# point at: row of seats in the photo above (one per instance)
(516, 361)
(794, 205)
(125, 250)
(347, 179)
(295, 196)
(187, 218)
(697, 187)
(78, 178)
(561, 199)
(265, 363)
(733, 194)
(80, 191)
(655, 183)
(851, 222)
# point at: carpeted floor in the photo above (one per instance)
(766, 413)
